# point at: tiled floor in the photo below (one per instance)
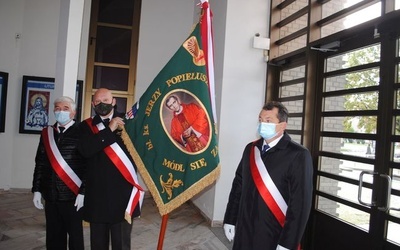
(22, 227)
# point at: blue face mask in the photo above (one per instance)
(267, 130)
(62, 117)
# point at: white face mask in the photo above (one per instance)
(62, 117)
(267, 130)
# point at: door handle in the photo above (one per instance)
(389, 190)
(373, 203)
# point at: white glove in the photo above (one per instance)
(37, 200)
(279, 247)
(229, 231)
(79, 201)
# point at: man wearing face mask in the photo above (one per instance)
(58, 178)
(112, 190)
(271, 193)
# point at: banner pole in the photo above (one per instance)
(162, 231)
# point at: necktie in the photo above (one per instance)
(265, 148)
(106, 121)
(61, 129)
(60, 135)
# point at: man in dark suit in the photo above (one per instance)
(111, 176)
(59, 178)
(271, 194)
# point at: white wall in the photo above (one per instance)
(11, 19)
(241, 77)
(164, 25)
(240, 74)
(34, 54)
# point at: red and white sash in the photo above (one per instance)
(60, 166)
(125, 167)
(266, 186)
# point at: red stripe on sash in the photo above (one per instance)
(120, 166)
(116, 160)
(56, 165)
(264, 192)
(135, 200)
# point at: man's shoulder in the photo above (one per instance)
(76, 125)
(257, 142)
(85, 124)
(297, 147)
(88, 119)
(91, 120)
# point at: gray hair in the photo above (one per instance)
(66, 99)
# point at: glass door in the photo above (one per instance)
(357, 197)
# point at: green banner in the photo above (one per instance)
(170, 131)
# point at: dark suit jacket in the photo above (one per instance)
(45, 179)
(290, 167)
(107, 191)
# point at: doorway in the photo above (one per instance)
(112, 51)
(356, 142)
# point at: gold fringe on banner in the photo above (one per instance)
(181, 198)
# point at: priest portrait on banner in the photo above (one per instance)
(189, 123)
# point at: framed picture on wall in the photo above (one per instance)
(37, 96)
(3, 99)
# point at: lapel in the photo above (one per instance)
(96, 120)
